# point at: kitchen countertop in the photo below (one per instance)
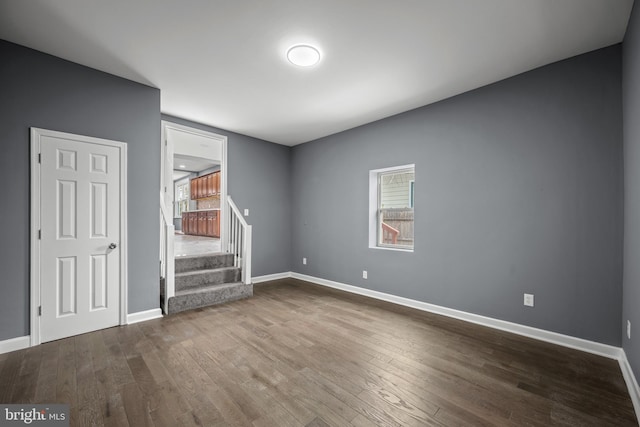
(202, 210)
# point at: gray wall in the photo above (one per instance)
(631, 131)
(43, 91)
(259, 180)
(518, 189)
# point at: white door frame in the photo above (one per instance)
(167, 171)
(36, 134)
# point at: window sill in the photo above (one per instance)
(386, 248)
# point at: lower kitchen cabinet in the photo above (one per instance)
(213, 224)
(201, 223)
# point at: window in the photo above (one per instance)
(391, 205)
(182, 199)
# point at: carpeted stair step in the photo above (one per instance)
(202, 262)
(208, 295)
(216, 276)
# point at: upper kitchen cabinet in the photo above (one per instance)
(205, 186)
(216, 183)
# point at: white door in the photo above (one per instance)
(80, 223)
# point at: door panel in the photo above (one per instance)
(98, 214)
(99, 282)
(66, 203)
(80, 218)
(66, 286)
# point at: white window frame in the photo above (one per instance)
(183, 201)
(374, 197)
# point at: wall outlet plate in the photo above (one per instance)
(246, 212)
(528, 300)
(364, 274)
(304, 261)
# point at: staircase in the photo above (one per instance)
(204, 280)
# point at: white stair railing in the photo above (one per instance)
(167, 261)
(239, 241)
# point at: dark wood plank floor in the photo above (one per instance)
(300, 355)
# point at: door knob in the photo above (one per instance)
(112, 246)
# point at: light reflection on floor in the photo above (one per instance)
(184, 245)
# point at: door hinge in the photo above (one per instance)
(39, 234)
(165, 189)
(39, 310)
(39, 157)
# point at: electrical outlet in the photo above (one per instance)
(528, 300)
(246, 212)
(304, 261)
(628, 329)
(364, 274)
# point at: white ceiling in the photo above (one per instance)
(192, 164)
(222, 62)
(178, 175)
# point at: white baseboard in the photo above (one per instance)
(269, 277)
(630, 379)
(14, 344)
(142, 316)
(527, 331)
(20, 343)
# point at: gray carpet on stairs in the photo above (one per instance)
(204, 280)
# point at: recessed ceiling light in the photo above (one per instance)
(182, 166)
(303, 55)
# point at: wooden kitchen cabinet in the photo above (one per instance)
(216, 183)
(205, 186)
(210, 224)
(209, 186)
(213, 224)
(202, 223)
(192, 223)
(193, 189)
(201, 188)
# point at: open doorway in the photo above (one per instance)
(205, 243)
(196, 204)
(194, 180)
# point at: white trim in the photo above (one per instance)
(269, 277)
(630, 379)
(143, 316)
(124, 233)
(392, 248)
(14, 344)
(240, 247)
(224, 229)
(373, 208)
(36, 134)
(412, 191)
(527, 331)
(34, 244)
(167, 151)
